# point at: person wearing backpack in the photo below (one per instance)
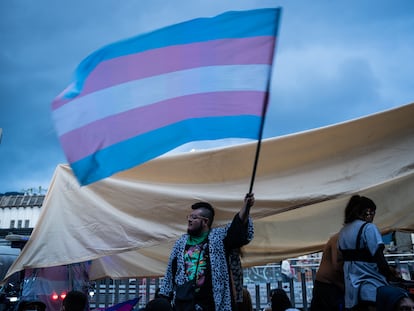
(361, 245)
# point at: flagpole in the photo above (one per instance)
(259, 142)
(265, 104)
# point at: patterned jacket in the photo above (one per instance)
(218, 261)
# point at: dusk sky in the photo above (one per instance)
(335, 61)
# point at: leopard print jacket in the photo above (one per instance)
(219, 267)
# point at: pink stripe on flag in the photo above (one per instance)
(255, 50)
(100, 134)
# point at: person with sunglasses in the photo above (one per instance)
(200, 274)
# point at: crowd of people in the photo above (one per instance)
(204, 271)
(204, 266)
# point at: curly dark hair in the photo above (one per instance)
(356, 206)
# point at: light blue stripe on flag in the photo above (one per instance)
(137, 99)
(237, 24)
(90, 169)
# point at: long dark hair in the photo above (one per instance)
(356, 207)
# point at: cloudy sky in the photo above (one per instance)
(335, 61)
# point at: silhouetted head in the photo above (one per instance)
(158, 304)
(393, 298)
(74, 301)
(31, 304)
(280, 300)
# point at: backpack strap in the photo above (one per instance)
(358, 254)
(358, 239)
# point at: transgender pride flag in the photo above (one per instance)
(137, 99)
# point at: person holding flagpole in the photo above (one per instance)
(198, 275)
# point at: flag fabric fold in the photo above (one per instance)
(122, 306)
(136, 99)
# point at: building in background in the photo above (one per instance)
(19, 213)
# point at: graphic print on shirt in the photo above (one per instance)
(191, 258)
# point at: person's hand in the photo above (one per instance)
(249, 200)
(245, 210)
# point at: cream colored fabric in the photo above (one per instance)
(127, 223)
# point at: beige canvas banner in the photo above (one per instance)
(127, 223)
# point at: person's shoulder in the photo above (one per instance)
(217, 233)
(180, 241)
(356, 225)
(350, 228)
(371, 227)
(181, 238)
(333, 238)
